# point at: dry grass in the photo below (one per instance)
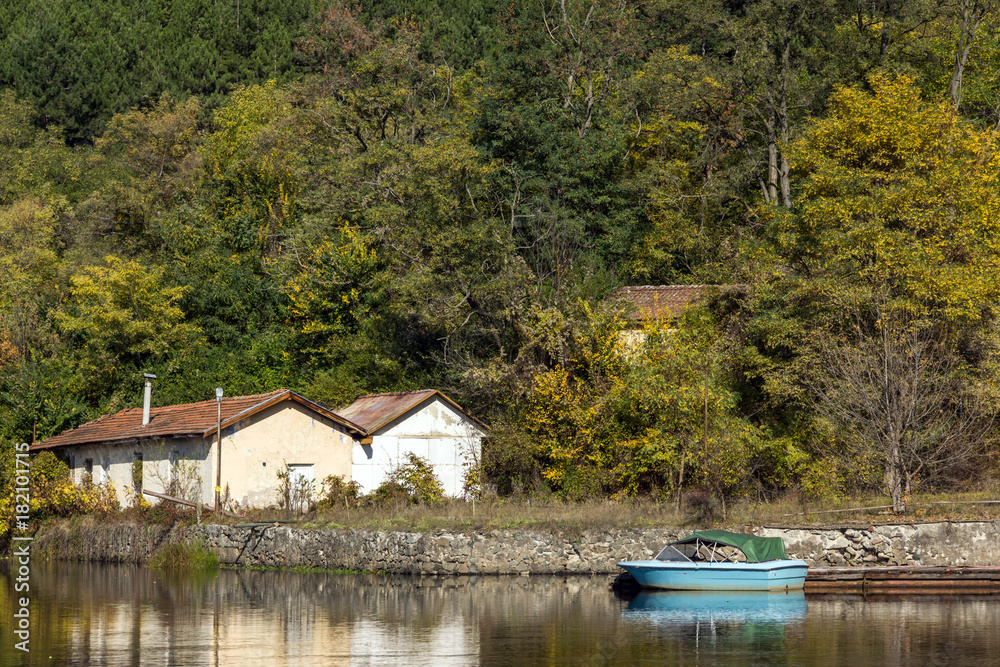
(491, 514)
(557, 516)
(871, 510)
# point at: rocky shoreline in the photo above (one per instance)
(507, 551)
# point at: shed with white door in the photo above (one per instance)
(426, 423)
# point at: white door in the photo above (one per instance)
(300, 483)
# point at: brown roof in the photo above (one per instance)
(650, 302)
(374, 411)
(186, 420)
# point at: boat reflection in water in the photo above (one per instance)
(722, 623)
(729, 606)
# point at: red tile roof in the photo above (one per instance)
(186, 420)
(648, 302)
(374, 411)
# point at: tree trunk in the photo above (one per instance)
(680, 483)
(973, 13)
(771, 195)
(783, 172)
(961, 56)
(895, 479)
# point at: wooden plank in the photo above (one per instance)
(905, 572)
(181, 501)
(916, 579)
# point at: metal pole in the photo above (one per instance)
(218, 460)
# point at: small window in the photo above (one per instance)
(301, 473)
(174, 488)
(88, 472)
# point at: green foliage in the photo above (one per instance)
(80, 63)
(623, 412)
(878, 283)
(344, 198)
(251, 158)
(126, 314)
(42, 397)
(901, 193)
(458, 32)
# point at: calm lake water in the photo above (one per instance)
(89, 614)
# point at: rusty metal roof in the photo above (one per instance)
(374, 411)
(650, 302)
(180, 421)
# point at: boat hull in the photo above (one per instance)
(775, 575)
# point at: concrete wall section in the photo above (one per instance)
(255, 451)
(181, 461)
(449, 440)
(106, 464)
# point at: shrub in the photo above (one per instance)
(295, 492)
(700, 507)
(336, 491)
(413, 481)
(54, 494)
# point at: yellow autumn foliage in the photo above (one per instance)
(901, 193)
(624, 418)
(54, 494)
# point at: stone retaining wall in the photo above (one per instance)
(938, 543)
(509, 551)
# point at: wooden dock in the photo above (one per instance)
(910, 579)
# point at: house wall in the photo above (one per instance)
(254, 451)
(185, 460)
(434, 431)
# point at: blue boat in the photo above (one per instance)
(718, 560)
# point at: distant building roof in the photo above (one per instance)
(651, 302)
(374, 411)
(187, 420)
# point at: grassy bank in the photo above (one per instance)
(554, 515)
(183, 556)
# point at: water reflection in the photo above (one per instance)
(736, 606)
(88, 614)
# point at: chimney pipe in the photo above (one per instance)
(146, 396)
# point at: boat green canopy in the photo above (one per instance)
(757, 549)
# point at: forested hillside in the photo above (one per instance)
(347, 198)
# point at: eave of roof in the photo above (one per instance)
(183, 421)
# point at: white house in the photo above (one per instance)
(175, 449)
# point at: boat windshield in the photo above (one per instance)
(701, 551)
(672, 554)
